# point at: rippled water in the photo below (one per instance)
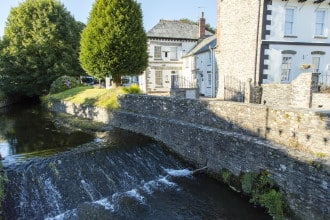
(120, 176)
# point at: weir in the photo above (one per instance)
(121, 175)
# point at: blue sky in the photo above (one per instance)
(153, 10)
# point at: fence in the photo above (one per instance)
(234, 89)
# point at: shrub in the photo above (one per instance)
(132, 89)
(63, 83)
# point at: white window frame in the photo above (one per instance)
(290, 22)
(286, 72)
(159, 78)
(320, 32)
(157, 52)
(316, 65)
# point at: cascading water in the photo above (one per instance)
(121, 176)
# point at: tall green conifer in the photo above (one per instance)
(114, 41)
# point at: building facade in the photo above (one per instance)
(272, 42)
(200, 65)
(168, 42)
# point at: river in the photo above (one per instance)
(58, 173)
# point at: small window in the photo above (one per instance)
(159, 78)
(166, 54)
(286, 68)
(319, 23)
(158, 52)
(289, 21)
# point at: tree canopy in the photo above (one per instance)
(114, 41)
(40, 44)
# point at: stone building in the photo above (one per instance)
(272, 42)
(168, 42)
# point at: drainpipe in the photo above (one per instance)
(257, 45)
(213, 71)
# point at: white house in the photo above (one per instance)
(297, 35)
(168, 42)
(200, 65)
(269, 42)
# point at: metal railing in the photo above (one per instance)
(178, 82)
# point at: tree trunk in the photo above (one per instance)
(116, 81)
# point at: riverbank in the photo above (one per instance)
(224, 148)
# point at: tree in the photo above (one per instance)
(114, 41)
(40, 44)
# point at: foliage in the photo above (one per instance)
(208, 27)
(132, 89)
(114, 41)
(226, 174)
(248, 180)
(265, 193)
(3, 179)
(63, 83)
(87, 95)
(40, 43)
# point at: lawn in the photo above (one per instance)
(100, 97)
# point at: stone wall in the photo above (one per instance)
(321, 101)
(212, 134)
(276, 94)
(299, 94)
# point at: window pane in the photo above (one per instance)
(286, 69)
(158, 52)
(319, 25)
(289, 18)
(159, 78)
(316, 64)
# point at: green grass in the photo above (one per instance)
(99, 97)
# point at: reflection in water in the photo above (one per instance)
(26, 129)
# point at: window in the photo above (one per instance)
(159, 78)
(286, 68)
(316, 64)
(289, 19)
(319, 23)
(174, 53)
(158, 52)
(209, 78)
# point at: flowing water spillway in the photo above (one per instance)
(121, 176)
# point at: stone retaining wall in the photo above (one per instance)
(201, 132)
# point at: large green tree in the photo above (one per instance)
(40, 43)
(114, 41)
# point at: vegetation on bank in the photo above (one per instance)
(89, 95)
(3, 179)
(261, 189)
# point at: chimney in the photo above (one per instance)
(202, 27)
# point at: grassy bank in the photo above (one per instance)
(100, 97)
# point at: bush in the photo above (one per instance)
(132, 89)
(63, 83)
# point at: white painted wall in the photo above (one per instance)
(304, 32)
(304, 21)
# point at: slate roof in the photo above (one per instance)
(175, 29)
(203, 46)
